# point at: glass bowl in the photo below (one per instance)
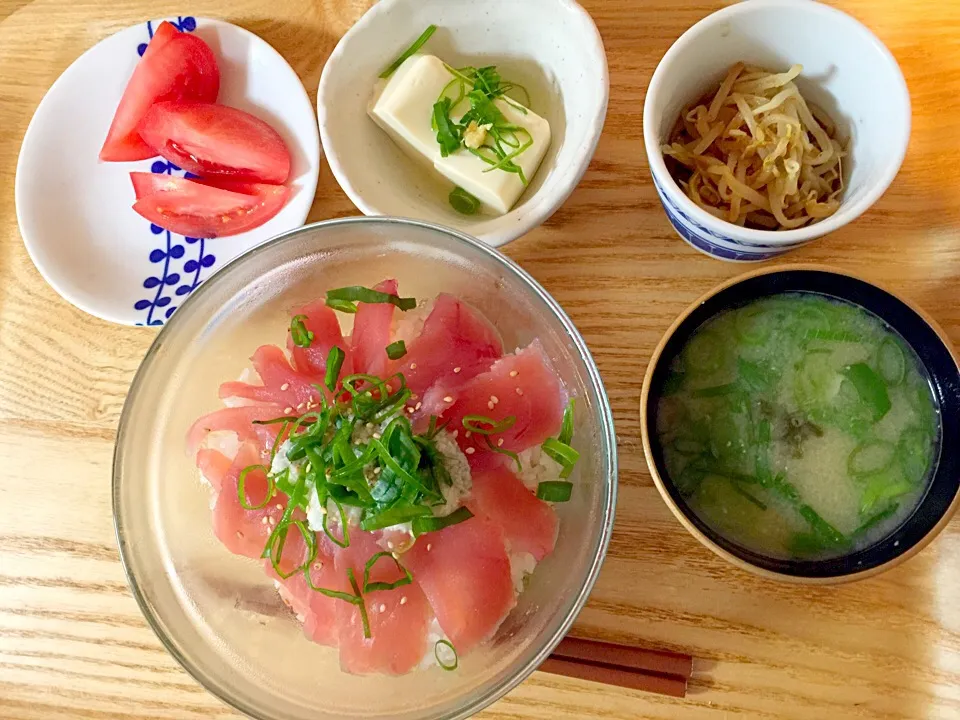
(219, 614)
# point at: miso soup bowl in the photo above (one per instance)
(920, 331)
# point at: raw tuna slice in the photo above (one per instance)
(316, 611)
(238, 420)
(371, 333)
(523, 385)
(465, 573)
(214, 466)
(282, 385)
(528, 524)
(322, 322)
(242, 531)
(398, 618)
(456, 344)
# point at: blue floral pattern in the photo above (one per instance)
(180, 260)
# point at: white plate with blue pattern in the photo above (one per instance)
(75, 212)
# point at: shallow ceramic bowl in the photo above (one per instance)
(218, 613)
(75, 212)
(846, 70)
(551, 47)
(920, 332)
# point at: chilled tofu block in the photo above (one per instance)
(403, 107)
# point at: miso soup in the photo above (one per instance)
(799, 427)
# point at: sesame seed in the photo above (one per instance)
(383, 608)
(301, 406)
(410, 410)
(448, 399)
(457, 369)
(263, 520)
(494, 399)
(490, 405)
(279, 506)
(500, 442)
(239, 534)
(389, 544)
(519, 391)
(273, 521)
(369, 426)
(376, 470)
(429, 547)
(318, 566)
(455, 433)
(376, 436)
(418, 406)
(413, 366)
(467, 433)
(403, 600)
(285, 386)
(513, 373)
(470, 451)
(287, 410)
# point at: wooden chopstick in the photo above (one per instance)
(603, 653)
(653, 671)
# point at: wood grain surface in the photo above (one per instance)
(73, 643)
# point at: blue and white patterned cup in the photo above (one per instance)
(846, 70)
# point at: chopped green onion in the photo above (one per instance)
(334, 363)
(423, 525)
(373, 586)
(357, 293)
(448, 134)
(363, 610)
(299, 333)
(242, 487)
(396, 350)
(555, 491)
(561, 453)
(870, 387)
(566, 428)
(509, 453)
(890, 362)
(343, 306)
(463, 202)
(344, 541)
(417, 44)
(483, 425)
(393, 516)
(715, 390)
(446, 665)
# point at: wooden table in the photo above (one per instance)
(73, 643)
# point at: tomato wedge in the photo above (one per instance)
(164, 32)
(181, 67)
(214, 140)
(194, 209)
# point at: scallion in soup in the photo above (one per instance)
(799, 427)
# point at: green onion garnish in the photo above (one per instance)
(450, 666)
(566, 429)
(242, 487)
(344, 540)
(355, 599)
(392, 516)
(334, 363)
(463, 202)
(372, 586)
(483, 425)
(417, 44)
(502, 451)
(554, 491)
(561, 453)
(396, 350)
(357, 293)
(423, 525)
(344, 306)
(299, 333)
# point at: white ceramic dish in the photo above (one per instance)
(75, 212)
(550, 46)
(846, 70)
